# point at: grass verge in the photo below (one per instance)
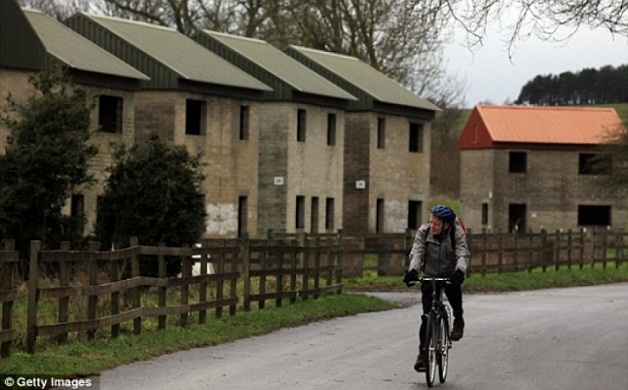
(510, 281)
(86, 358)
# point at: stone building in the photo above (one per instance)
(301, 130)
(387, 145)
(526, 167)
(197, 99)
(107, 81)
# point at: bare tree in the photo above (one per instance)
(547, 19)
(58, 9)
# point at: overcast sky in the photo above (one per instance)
(490, 76)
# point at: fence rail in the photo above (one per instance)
(387, 254)
(113, 291)
(283, 268)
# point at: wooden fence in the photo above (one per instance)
(283, 268)
(95, 291)
(9, 261)
(387, 254)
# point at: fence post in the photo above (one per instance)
(7, 307)
(162, 290)
(338, 262)
(583, 247)
(63, 301)
(33, 281)
(484, 250)
(136, 298)
(500, 252)
(92, 300)
(569, 248)
(114, 276)
(245, 255)
(557, 250)
(605, 249)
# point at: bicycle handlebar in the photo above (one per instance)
(428, 279)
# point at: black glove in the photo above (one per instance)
(457, 277)
(411, 276)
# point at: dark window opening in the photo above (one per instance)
(195, 111)
(77, 212)
(244, 122)
(517, 218)
(300, 213)
(416, 138)
(379, 216)
(414, 214)
(301, 125)
(592, 164)
(110, 114)
(314, 215)
(331, 129)
(243, 214)
(484, 213)
(518, 162)
(381, 133)
(594, 215)
(329, 214)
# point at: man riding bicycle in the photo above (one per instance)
(439, 250)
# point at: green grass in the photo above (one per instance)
(512, 281)
(86, 358)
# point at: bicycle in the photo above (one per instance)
(438, 331)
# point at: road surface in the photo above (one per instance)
(572, 338)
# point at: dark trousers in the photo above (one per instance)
(453, 292)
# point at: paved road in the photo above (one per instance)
(575, 338)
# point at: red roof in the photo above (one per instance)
(489, 125)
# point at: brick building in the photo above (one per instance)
(530, 168)
(299, 140)
(387, 145)
(197, 99)
(109, 82)
(301, 132)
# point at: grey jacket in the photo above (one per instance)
(437, 259)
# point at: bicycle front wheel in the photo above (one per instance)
(431, 351)
(444, 344)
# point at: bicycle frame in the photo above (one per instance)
(438, 330)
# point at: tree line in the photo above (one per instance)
(608, 85)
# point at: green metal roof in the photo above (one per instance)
(75, 51)
(180, 54)
(365, 78)
(20, 47)
(278, 64)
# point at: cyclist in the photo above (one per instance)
(439, 250)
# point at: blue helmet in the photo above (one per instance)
(444, 212)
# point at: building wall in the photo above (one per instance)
(392, 173)
(289, 169)
(358, 139)
(18, 85)
(477, 182)
(15, 83)
(552, 189)
(104, 142)
(231, 164)
(398, 175)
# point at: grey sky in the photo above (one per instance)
(490, 76)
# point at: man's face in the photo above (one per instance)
(437, 225)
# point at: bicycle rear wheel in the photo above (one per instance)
(431, 351)
(443, 348)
